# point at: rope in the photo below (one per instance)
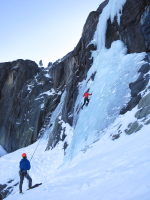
(35, 149)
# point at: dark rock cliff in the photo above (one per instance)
(134, 28)
(29, 95)
(13, 77)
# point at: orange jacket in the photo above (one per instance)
(86, 95)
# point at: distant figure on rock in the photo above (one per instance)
(24, 166)
(41, 63)
(86, 98)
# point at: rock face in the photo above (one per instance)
(144, 107)
(13, 77)
(132, 128)
(6, 189)
(134, 26)
(29, 95)
(138, 86)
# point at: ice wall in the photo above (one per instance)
(114, 69)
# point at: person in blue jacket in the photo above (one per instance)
(24, 167)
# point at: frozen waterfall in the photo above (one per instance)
(114, 69)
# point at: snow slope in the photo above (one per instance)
(108, 170)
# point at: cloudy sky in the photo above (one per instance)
(41, 29)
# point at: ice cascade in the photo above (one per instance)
(114, 69)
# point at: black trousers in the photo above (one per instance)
(26, 175)
(86, 101)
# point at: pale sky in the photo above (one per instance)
(41, 29)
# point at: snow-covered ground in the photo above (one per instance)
(107, 170)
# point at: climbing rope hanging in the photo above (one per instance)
(36, 148)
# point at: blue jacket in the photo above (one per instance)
(25, 164)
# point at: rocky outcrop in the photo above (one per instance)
(13, 77)
(138, 86)
(142, 114)
(144, 107)
(140, 91)
(133, 128)
(6, 189)
(28, 98)
(134, 27)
